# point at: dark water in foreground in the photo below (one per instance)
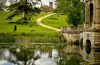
(69, 55)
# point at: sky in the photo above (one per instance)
(7, 3)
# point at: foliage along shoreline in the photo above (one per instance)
(31, 38)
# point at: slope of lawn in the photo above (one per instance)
(6, 27)
(56, 21)
(24, 34)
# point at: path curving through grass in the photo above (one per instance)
(38, 21)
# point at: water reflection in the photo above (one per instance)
(68, 55)
(88, 50)
(91, 56)
(28, 57)
(6, 56)
(46, 58)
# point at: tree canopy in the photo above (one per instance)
(74, 9)
(23, 7)
(2, 4)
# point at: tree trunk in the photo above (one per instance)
(25, 11)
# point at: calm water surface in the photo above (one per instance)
(69, 55)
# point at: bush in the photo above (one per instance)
(29, 37)
(7, 38)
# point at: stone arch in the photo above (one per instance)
(88, 43)
(91, 12)
(81, 43)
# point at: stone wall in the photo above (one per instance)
(71, 29)
(90, 32)
(71, 33)
(92, 58)
(88, 36)
(91, 29)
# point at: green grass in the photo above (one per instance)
(6, 27)
(36, 37)
(24, 34)
(55, 21)
(7, 38)
(44, 37)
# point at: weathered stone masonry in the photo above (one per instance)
(89, 33)
(91, 28)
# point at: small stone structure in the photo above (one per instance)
(71, 33)
(89, 33)
(90, 37)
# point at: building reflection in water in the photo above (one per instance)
(85, 56)
(91, 56)
(69, 55)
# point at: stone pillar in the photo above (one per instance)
(86, 15)
(97, 13)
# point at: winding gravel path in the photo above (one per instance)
(38, 21)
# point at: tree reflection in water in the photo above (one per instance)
(67, 55)
(30, 57)
(24, 57)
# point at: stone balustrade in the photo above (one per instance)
(71, 33)
(71, 29)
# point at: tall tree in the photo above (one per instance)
(2, 4)
(24, 56)
(23, 7)
(74, 9)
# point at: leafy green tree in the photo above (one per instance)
(74, 9)
(2, 4)
(23, 7)
(75, 13)
(61, 6)
(24, 56)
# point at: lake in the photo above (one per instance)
(50, 55)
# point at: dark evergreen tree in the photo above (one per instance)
(22, 7)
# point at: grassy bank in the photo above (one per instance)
(24, 34)
(29, 37)
(6, 27)
(56, 21)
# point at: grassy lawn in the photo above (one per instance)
(6, 27)
(24, 34)
(55, 21)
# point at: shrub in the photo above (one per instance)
(7, 38)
